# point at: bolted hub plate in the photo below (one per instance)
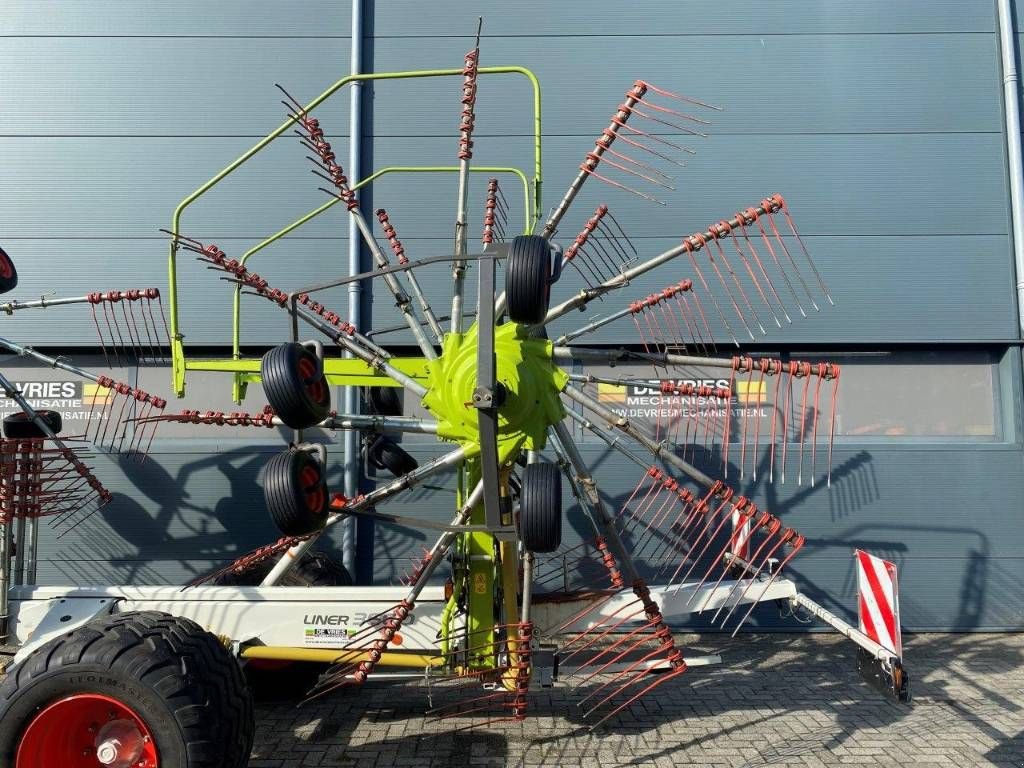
(530, 379)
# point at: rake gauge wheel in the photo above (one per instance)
(295, 386)
(132, 689)
(314, 569)
(528, 279)
(295, 492)
(384, 401)
(540, 508)
(21, 426)
(8, 274)
(385, 453)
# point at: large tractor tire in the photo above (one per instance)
(145, 690)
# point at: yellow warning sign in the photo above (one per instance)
(94, 394)
(751, 392)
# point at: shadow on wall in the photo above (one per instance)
(158, 534)
(982, 590)
(179, 531)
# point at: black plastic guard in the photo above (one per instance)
(892, 681)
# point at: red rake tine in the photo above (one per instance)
(645, 148)
(739, 504)
(624, 673)
(589, 170)
(775, 370)
(133, 331)
(749, 216)
(728, 291)
(677, 96)
(772, 525)
(746, 516)
(821, 367)
(699, 509)
(660, 121)
(667, 111)
(677, 538)
(688, 246)
(661, 679)
(666, 646)
(651, 524)
(706, 334)
(762, 387)
(785, 536)
(778, 264)
(753, 276)
(798, 542)
(600, 636)
(651, 169)
(710, 538)
(804, 372)
(792, 228)
(785, 249)
(112, 326)
(832, 420)
(652, 136)
(617, 657)
(789, 371)
(582, 614)
(720, 230)
(456, 705)
(99, 333)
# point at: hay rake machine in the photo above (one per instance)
(517, 610)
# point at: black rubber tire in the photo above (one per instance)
(528, 279)
(178, 678)
(295, 491)
(19, 425)
(384, 401)
(315, 569)
(540, 508)
(294, 383)
(385, 453)
(8, 274)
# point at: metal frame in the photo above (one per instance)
(180, 363)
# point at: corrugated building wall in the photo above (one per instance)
(879, 121)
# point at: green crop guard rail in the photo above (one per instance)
(347, 371)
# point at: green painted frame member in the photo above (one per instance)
(236, 365)
(525, 368)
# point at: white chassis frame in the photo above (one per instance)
(283, 616)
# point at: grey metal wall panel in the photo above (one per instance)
(766, 84)
(530, 18)
(879, 121)
(74, 86)
(188, 18)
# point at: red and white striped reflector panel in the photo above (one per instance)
(878, 601)
(741, 536)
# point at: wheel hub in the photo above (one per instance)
(87, 730)
(527, 373)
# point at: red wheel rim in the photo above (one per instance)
(87, 730)
(313, 382)
(6, 266)
(312, 489)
